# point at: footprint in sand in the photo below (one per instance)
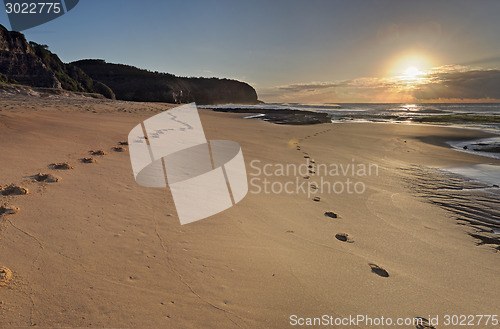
(13, 189)
(61, 166)
(306, 157)
(317, 199)
(97, 152)
(344, 237)
(123, 143)
(49, 178)
(331, 214)
(5, 276)
(119, 149)
(379, 271)
(88, 160)
(8, 210)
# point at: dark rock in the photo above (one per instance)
(283, 116)
(130, 83)
(493, 149)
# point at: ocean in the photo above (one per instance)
(484, 116)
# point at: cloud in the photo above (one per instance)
(356, 90)
(466, 85)
(445, 83)
(491, 59)
(307, 87)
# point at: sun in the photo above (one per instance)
(412, 72)
(409, 65)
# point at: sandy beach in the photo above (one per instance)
(94, 249)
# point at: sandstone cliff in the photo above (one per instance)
(19, 63)
(31, 64)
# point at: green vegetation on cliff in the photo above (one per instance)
(70, 76)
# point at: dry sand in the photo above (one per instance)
(94, 249)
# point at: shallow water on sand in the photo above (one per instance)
(487, 174)
(483, 147)
(470, 195)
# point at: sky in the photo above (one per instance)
(297, 51)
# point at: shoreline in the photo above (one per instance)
(484, 119)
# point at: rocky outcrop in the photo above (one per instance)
(133, 84)
(34, 65)
(281, 116)
(20, 64)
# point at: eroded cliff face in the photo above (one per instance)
(31, 64)
(19, 63)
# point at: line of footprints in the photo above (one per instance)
(343, 237)
(16, 190)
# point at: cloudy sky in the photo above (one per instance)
(298, 51)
